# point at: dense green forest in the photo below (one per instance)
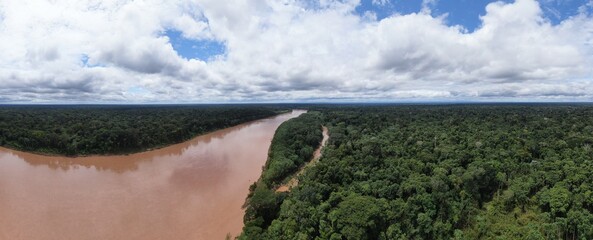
(293, 144)
(84, 130)
(441, 172)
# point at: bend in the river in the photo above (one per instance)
(191, 190)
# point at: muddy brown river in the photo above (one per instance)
(192, 190)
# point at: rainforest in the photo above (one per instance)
(506, 171)
(387, 171)
(104, 129)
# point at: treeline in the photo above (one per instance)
(293, 145)
(446, 172)
(84, 130)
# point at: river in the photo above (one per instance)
(192, 190)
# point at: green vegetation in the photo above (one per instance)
(84, 130)
(440, 172)
(293, 144)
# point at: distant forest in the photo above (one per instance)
(434, 172)
(85, 130)
(388, 172)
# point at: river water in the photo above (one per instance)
(192, 190)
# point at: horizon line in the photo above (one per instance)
(304, 103)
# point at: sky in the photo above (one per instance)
(212, 51)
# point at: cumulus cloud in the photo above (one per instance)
(105, 51)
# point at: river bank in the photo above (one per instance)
(192, 190)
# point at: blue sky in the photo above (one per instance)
(200, 51)
(189, 48)
(465, 13)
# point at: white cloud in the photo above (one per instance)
(427, 5)
(380, 2)
(290, 49)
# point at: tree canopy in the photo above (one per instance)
(84, 130)
(444, 172)
(293, 144)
